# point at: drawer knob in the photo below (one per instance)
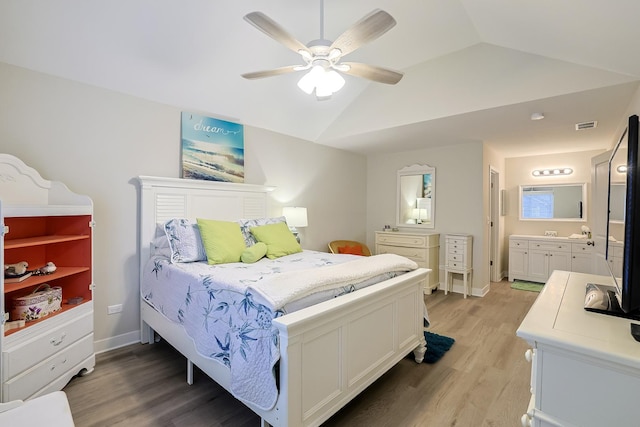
(528, 355)
(57, 342)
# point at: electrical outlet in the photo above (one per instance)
(113, 309)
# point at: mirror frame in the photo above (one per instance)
(584, 202)
(412, 171)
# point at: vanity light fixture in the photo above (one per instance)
(552, 172)
(622, 168)
(537, 116)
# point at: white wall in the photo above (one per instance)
(96, 141)
(459, 196)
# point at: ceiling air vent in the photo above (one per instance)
(586, 125)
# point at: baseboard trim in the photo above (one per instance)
(118, 341)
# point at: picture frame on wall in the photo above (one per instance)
(212, 149)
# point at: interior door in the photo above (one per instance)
(599, 206)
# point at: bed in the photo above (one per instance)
(327, 352)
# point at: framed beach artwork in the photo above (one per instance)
(212, 149)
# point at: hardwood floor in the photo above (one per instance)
(482, 381)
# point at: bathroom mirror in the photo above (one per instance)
(416, 197)
(553, 202)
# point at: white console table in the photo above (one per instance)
(585, 366)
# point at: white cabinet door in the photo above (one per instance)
(582, 263)
(518, 263)
(558, 261)
(538, 265)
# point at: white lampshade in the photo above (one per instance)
(325, 82)
(296, 217)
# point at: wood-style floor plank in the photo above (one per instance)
(482, 381)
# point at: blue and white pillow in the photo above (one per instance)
(184, 241)
(246, 224)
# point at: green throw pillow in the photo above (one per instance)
(279, 239)
(254, 253)
(222, 240)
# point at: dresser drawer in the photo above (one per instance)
(456, 265)
(519, 243)
(581, 248)
(458, 249)
(23, 356)
(456, 242)
(415, 254)
(459, 258)
(413, 241)
(550, 246)
(32, 380)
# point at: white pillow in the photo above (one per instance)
(184, 241)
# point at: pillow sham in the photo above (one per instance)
(184, 239)
(223, 241)
(246, 224)
(279, 239)
(254, 253)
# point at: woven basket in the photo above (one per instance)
(43, 301)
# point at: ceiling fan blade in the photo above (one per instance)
(274, 30)
(367, 29)
(371, 72)
(269, 73)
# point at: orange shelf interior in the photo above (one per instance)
(63, 240)
(37, 280)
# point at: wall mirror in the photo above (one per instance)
(617, 200)
(553, 202)
(416, 204)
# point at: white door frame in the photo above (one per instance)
(495, 274)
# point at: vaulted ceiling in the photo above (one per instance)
(474, 70)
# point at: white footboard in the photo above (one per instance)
(332, 351)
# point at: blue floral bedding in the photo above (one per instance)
(228, 323)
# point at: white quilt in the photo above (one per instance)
(286, 287)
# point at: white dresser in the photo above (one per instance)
(420, 247)
(534, 258)
(459, 252)
(42, 221)
(585, 366)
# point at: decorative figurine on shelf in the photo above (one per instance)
(17, 269)
(48, 268)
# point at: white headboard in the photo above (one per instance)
(161, 199)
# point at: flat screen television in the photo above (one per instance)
(623, 225)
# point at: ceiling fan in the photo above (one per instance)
(323, 57)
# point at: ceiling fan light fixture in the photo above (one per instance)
(325, 82)
(308, 82)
